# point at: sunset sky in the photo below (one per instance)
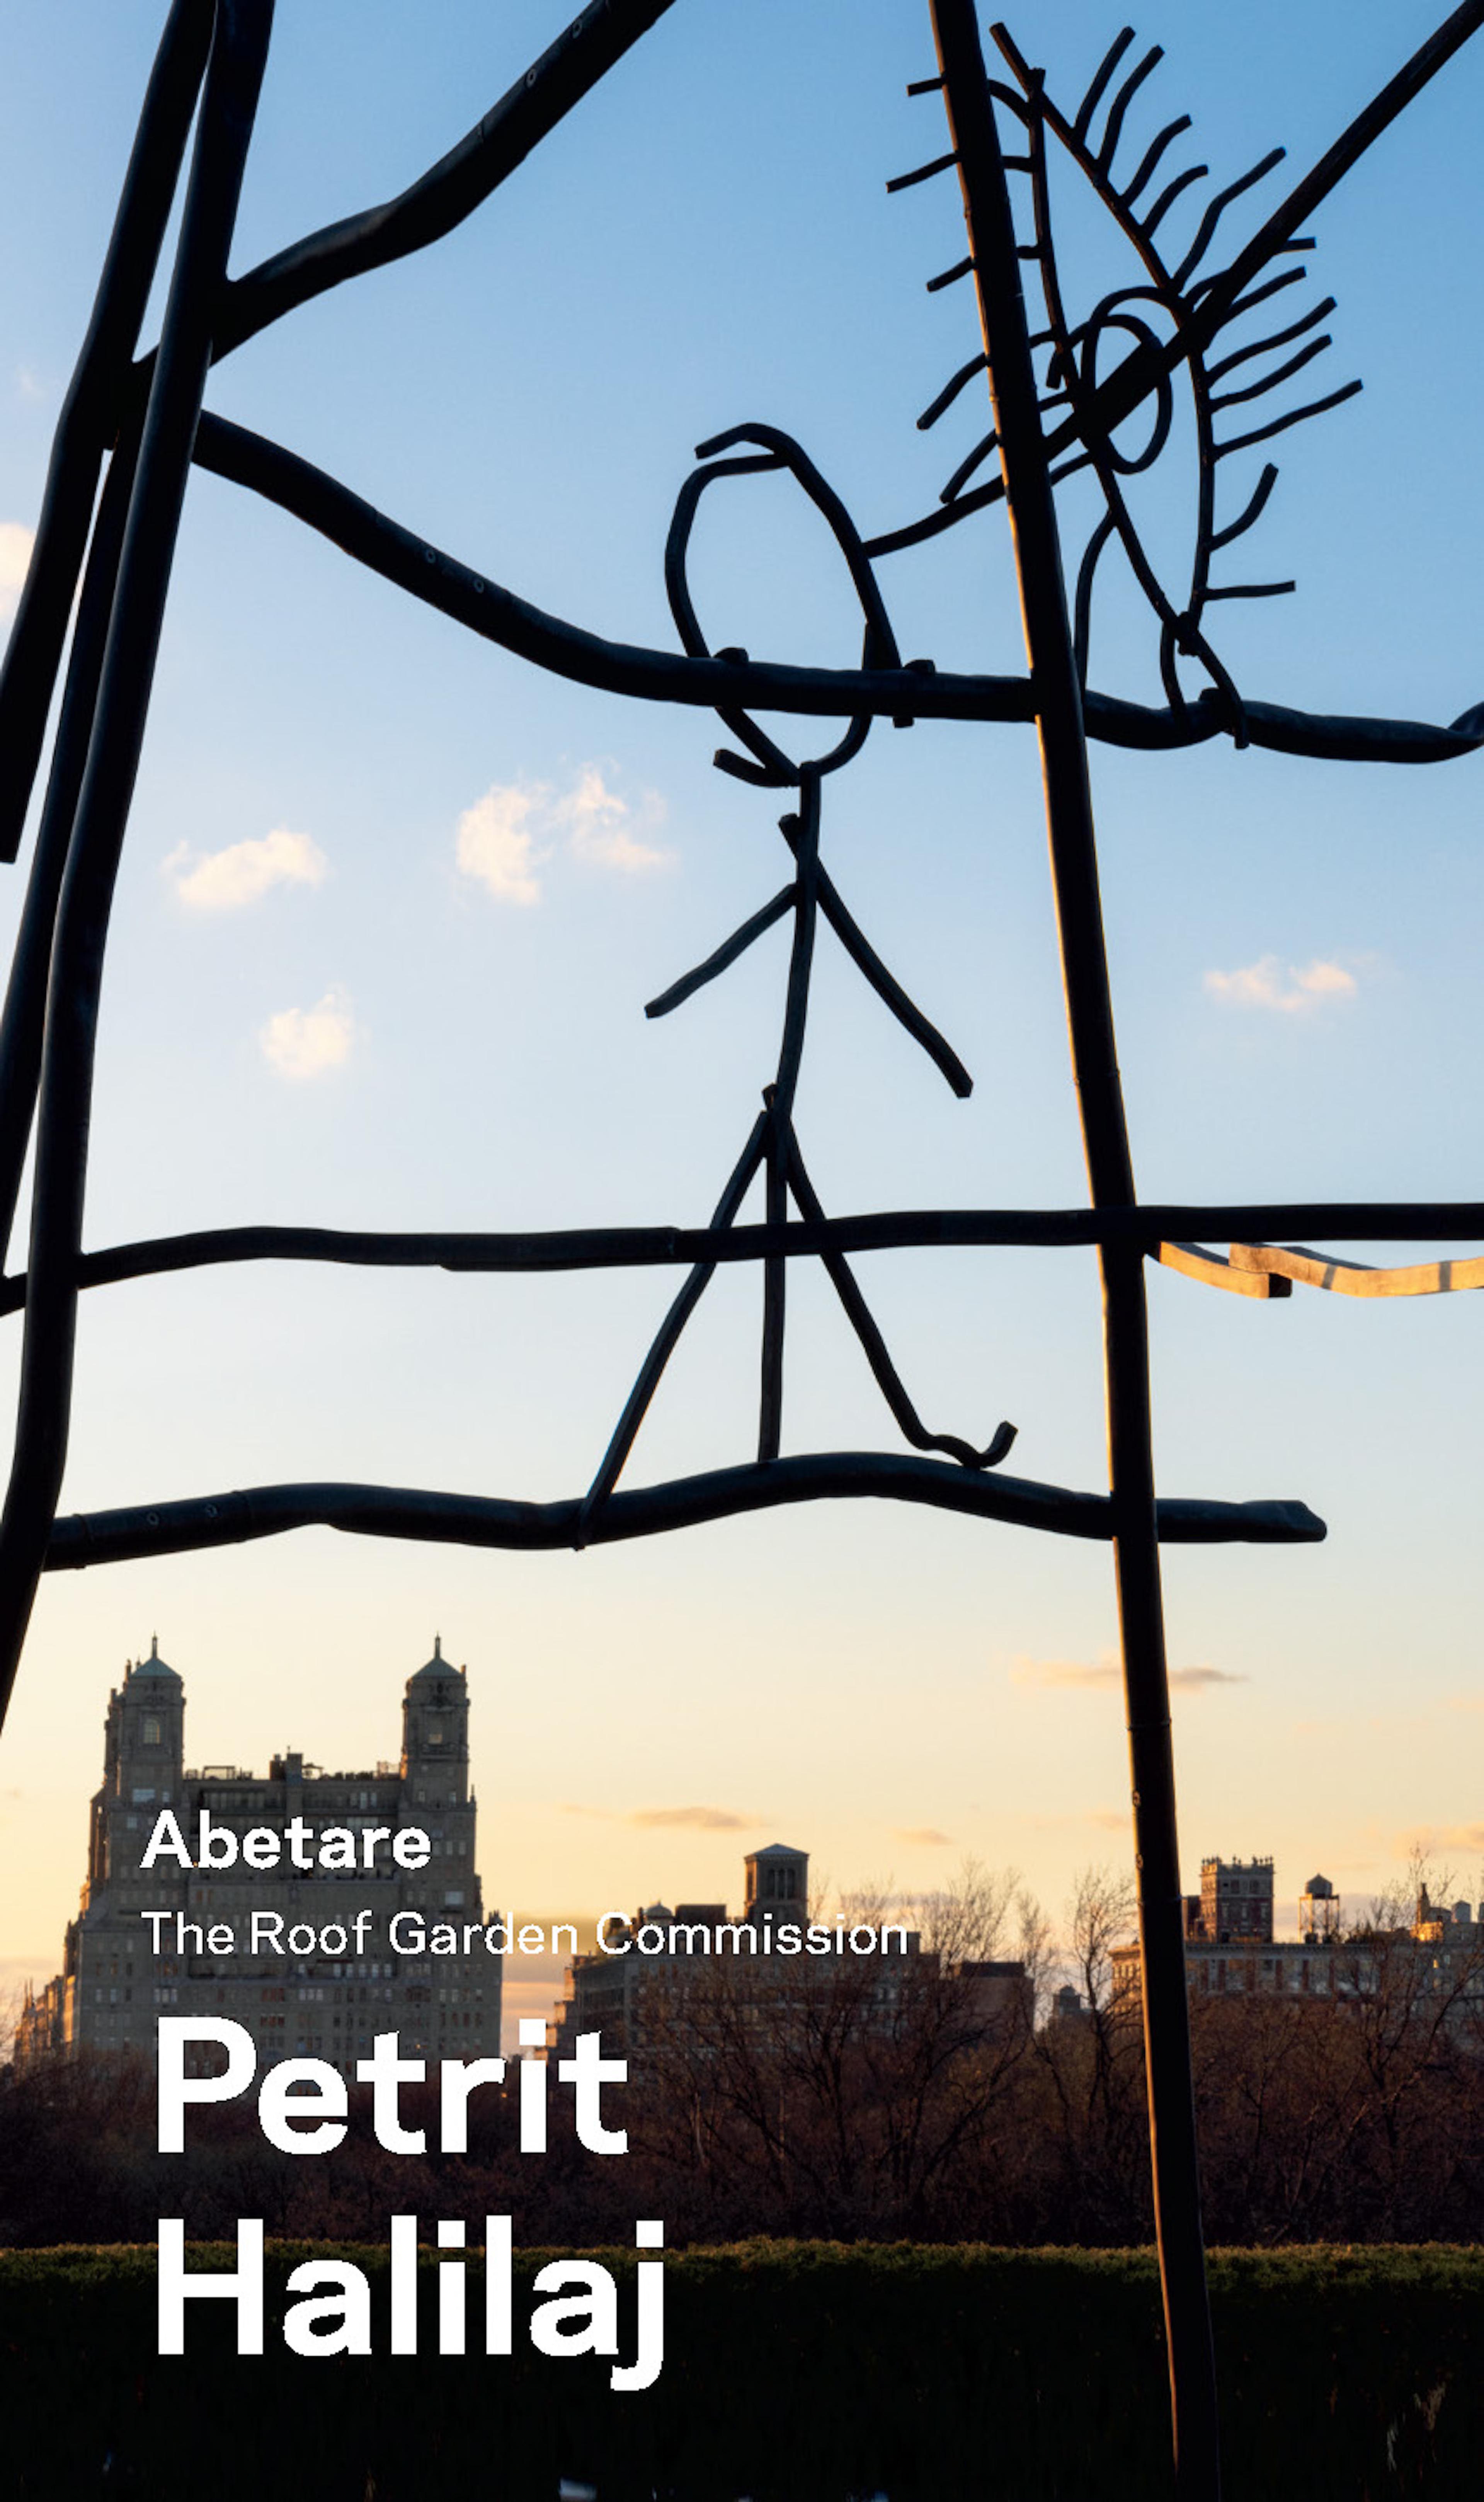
(391, 904)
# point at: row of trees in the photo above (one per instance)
(928, 2100)
(1355, 2116)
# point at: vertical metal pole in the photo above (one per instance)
(1105, 1138)
(22, 1019)
(91, 410)
(239, 51)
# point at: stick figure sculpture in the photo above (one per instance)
(1102, 403)
(772, 1146)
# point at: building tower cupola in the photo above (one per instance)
(435, 1715)
(777, 1882)
(147, 1727)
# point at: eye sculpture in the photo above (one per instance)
(810, 895)
(1172, 320)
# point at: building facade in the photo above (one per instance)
(1230, 1947)
(314, 1960)
(1251, 1968)
(663, 1974)
(1235, 1903)
(1230, 1951)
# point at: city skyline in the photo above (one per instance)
(674, 1862)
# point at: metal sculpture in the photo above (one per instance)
(142, 418)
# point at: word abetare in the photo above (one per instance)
(337, 1847)
(303, 2109)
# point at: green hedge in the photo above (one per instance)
(794, 2372)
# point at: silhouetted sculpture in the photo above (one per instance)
(1102, 401)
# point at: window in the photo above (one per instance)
(454, 1901)
(152, 1732)
(143, 1797)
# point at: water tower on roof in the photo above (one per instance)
(1318, 1911)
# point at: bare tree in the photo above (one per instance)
(849, 2094)
(1094, 2070)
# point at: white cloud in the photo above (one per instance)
(300, 1043)
(29, 383)
(699, 1819)
(1296, 990)
(15, 545)
(1105, 1671)
(1432, 1838)
(225, 880)
(599, 824)
(1065, 1671)
(512, 831)
(495, 845)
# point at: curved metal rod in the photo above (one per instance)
(1113, 128)
(659, 1246)
(946, 397)
(371, 538)
(1212, 1268)
(863, 1322)
(1171, 193)
(878, 644)
(1295, 211)
(485, 1520)
(1275, 339)
(947, 516)
(1132, 379)
(1082, 606)
(451, 190)
(90, 410)
(920, 174)
(1349, 738)
(723, 957)
(23, 1019)
(1251, 511)
(1281, 425)
(1151, 157)
(1100, 76)
(1216, 210)
(1180, 627)
(948, 492)
(413, 564)
(1249, 590)
(772, 768)
(233, 79)
(1278, 1266)
(888, 989)
(802, 833)
(959, 269)
(434, 206)
(669, 1336)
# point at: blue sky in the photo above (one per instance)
(391, 904)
